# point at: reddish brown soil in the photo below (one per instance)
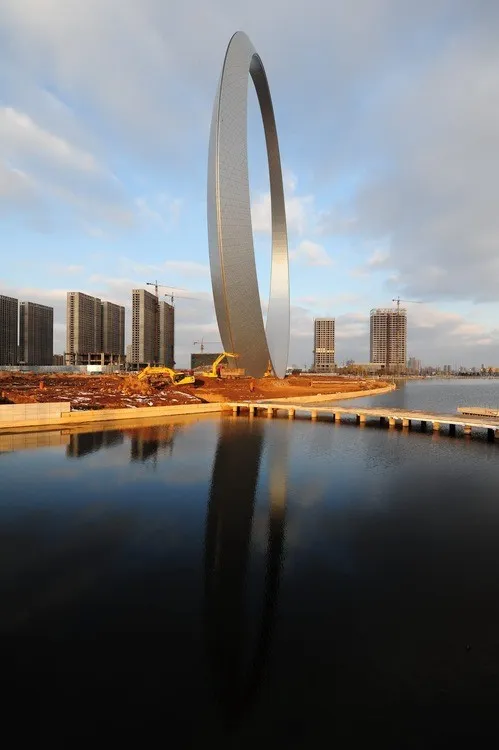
(121, 391)
(89, 391)
(249, 389)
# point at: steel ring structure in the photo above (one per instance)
(230, 234)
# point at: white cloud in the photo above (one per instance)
(352, 326)
(160, 210)
(187, 268)
(311, 254)
(18, 196)
(71, 269)
(328, 302)
(126, 58)
(94, 231)
(14, 183)
(34, 294)
(440, 143)
(175, 206)
(260, 214)
(378, 259)
(21, 138)
(334, 222)
(299, 209)
(39, 167)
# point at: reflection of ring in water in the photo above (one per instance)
(227, 547)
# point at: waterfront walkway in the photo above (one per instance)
(385, 415)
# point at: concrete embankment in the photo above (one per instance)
(56, 415)
(344, 396)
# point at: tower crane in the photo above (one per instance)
(203, 342)
(409, 301)
(172, 298)
(157, 286)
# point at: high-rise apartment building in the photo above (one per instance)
(324, 344)
(144, 327)
(83, 327)
(95, 332)
(8, 330)
(388, 337)
(113, 329)
(152, 330)
(36, 334)
(166, 334)
(414, 365)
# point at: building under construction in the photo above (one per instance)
(153, 330)
(36, 334)
(95, 331)
(8, 330)
(388, 337)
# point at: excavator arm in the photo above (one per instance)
(143, 374)
(219, 359)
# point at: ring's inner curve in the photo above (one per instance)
(279, 286)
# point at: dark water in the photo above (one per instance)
(439, 395)
(243, 584)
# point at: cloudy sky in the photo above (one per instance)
(388, 121)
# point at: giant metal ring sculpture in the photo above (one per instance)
(232, 256)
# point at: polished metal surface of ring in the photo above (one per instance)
(232, 256)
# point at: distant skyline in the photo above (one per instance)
(388, 120)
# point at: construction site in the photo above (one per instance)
(163, 387)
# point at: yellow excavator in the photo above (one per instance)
(213, 373)
(176, 378)
(269, 372)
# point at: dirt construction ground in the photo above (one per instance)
(126, 391)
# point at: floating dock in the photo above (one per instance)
(478, 411)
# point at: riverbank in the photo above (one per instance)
(50, 416)
(126, 391)
(339, 396)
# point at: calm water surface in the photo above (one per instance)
(249, 584)
(439, 395)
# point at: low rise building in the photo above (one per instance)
(203, 359)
